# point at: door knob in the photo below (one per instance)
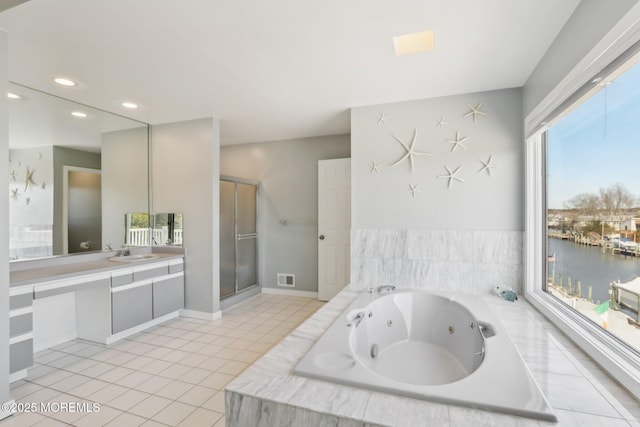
(321, 237)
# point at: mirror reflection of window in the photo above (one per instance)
(44, 137)
(157, 229)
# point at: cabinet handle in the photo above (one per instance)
(321, 237)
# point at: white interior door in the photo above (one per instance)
(334, 226)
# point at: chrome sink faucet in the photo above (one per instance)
(125, 251)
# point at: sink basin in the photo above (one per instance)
(133, 258)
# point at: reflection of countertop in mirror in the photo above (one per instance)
(32, 271)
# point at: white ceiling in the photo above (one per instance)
(278, 69)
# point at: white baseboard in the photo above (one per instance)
(290, 292)
(18, 376)
(132, 331)
(8, 404)
(202, 315)
(52, 342)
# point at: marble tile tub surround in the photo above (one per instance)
(580, 393)
(465, 261)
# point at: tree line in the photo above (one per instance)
(613, 200)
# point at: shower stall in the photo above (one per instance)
(238, 235)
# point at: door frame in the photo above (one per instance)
(235, 181)
(65, 201)
(322, 295)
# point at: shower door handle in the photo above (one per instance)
(246, 236)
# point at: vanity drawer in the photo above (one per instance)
(168, 294)
(131, 306)
(21, 301)
(176, 266)
(20, 324)
(121, 277)
(58, 287)
(150, 271)
(20, 355)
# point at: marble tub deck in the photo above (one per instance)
(580, 392)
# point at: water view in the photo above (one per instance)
(591, 267)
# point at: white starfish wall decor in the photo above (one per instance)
(14, 194)
(28, 180)
(458, 142)
(375, 167)
(382, 117)
(410, 150)
(441, 123)
(413, 189)
(475, 112)
(452, 176)
(488, 166)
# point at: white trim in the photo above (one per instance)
(621, 37)
(290, 292)
(71, 281)
(18, 375)
(618, 360)
(21, 311)
(202, 315)
(9, 403)
(20, 290)
(152, 266)
(132, 331)
(131, 286)
(52, 342)
(168, 277)
(20, 338)
(615, 358)
(122, 272)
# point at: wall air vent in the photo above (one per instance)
(287, 280)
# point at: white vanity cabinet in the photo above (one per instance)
(144, 293)
(102, 307)
(20, 329)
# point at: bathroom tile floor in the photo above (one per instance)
(172, 374)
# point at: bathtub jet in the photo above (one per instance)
(448, 349)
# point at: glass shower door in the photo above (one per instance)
(227, 238)
(247, 236)
(238, 236)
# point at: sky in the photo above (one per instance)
(597, 144)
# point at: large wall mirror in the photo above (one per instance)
(75, 172)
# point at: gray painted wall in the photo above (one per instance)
(4, 222)
(382, 200)
(185, 170)
(66, 157)
(125, 181)
(288, 173)
(588, 24)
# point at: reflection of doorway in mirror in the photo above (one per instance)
(82, 215)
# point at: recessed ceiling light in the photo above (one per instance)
(62, 81)
(129, 105)
(12, 95)
(413, 43)
(79, 114)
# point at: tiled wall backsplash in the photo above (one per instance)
(466, 261)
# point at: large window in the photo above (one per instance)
(593, 205)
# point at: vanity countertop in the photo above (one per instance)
(29, 276)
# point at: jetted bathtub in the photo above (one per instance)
(450, 349)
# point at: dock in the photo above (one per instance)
(607, 247)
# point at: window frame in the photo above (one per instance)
(620, 360)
